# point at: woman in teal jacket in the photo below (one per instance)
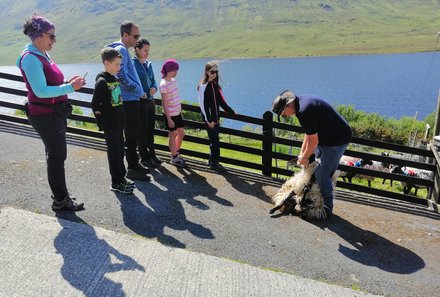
(47, 107)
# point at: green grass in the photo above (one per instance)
(224, 152)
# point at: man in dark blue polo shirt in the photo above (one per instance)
(327, 134)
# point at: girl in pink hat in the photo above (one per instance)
(172, 110)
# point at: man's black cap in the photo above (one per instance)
(280, 102)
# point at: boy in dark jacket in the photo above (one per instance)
(109, 113)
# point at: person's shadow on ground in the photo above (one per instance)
(163, 206)
(248, 185)
(371, 249)
(88, 259)
(197, 185)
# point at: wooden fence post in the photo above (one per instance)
(267, 143)
(434, 192)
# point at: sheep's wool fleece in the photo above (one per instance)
(296, 184)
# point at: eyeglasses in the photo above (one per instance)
(51, 36)
(213, 71)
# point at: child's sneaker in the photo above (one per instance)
(181, 159)
(128, 183)
(178, 161)
(122, 188)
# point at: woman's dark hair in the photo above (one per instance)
(141, 42)
(27, 26)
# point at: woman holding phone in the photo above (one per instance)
(47, 108)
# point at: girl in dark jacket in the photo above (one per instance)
(210, 99)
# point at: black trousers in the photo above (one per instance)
(131, 131)
(52, 130)
(147, 122)
(214, 144)
(115, 155)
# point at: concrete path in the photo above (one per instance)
(45, 256)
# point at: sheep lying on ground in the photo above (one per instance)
(415, 172)
(300, 195)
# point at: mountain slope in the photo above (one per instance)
(224, 29)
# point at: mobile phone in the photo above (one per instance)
(84, 76)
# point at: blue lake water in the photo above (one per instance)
(393, 85)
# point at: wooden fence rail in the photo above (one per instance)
(268, 140)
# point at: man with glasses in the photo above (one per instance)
(131, 91)
(327, 135)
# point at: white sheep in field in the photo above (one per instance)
(350, 161)
(415, 172)
(301, 195)
(367, 164)
(377, 166)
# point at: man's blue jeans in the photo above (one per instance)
(330, 157)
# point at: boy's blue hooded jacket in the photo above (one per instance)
(131, 88)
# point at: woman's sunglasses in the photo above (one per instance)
(51, 36)
(213, 71)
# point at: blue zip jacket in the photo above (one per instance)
(131, 88)
(146, 75)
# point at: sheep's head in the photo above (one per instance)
(364, 162)
(397, 169)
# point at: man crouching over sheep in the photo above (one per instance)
(327, 135)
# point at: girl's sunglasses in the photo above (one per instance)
(213, 71)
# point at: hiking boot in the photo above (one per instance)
(148, 163)
(69, 203)
(177, 161)
(136, 174)
(122, 188)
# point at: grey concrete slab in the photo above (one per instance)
(46, 256)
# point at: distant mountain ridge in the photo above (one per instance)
(228, 29)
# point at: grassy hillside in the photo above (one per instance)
(227, 29)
